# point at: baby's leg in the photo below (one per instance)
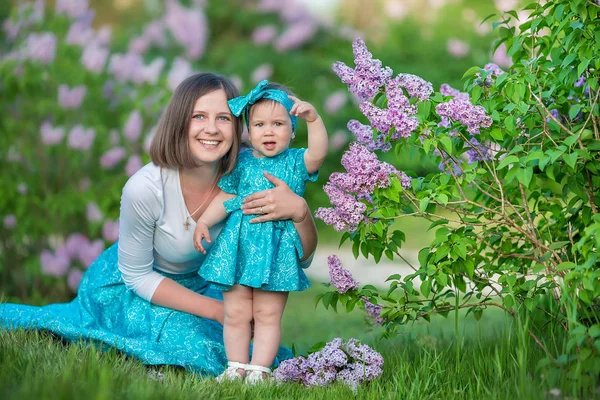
(267, 310)
(236, 328)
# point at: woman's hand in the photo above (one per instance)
(279, 203)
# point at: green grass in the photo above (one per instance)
(419, 364)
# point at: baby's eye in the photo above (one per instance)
(258, 124)
(278, 124)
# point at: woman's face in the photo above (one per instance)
(212, 128)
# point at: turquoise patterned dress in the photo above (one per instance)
(261, 255)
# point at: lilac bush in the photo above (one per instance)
(515, 203)
(350, 363)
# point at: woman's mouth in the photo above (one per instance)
(209, 144)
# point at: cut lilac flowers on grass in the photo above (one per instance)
(350, 363)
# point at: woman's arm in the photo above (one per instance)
(140, 209)
(281, 203)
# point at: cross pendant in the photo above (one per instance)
(186, 224)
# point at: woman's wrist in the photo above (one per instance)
(302, 214)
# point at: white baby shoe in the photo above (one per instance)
(231, 373)
(257, 374)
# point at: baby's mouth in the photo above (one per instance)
(269, 145)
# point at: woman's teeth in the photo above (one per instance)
(209, 142)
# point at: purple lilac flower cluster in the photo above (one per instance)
(364, 173)
(448, 90)
(399, 114)
(473, 117)
(415, 86)
(494, 72)
(351, 363)
(340, 277)
(373, 312)
(364, 135)
(368, 76)
(477, 151)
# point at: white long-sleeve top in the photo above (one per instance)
(152, 235)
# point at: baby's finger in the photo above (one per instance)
(294, 98)
(207, 237)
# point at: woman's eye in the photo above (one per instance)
(224, 118)
(198, 116)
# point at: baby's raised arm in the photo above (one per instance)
(317, 134)
(214, 213)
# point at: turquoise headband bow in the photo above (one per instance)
(242, 104)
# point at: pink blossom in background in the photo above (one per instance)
(237, 81)
(396, 10)
(506, 5)
(457, 48)
(296, 35)
(180, 69)
(90, 252)
(73, 279)
(81, 138)
(112, 157)
(291, 12)
(335, 101)
(124, 66)
(103, 35)
(84, 184)
(10, 221)
(54, 265)
(133, 126)
(189, 28)
(94, 58)
(469, 15)
(154, 32)
(133, 164)
(482, 29)
(72, 8)
(93, 213)
(110, 231)
(41, 47)
(22, 188)
(501, 58)
(150, 73)
(263, 71)
(338, 140)
(139, 45)
(74, 244)
(11, 29)
(80, 33)
(51, 135)
(264, 34)
(70, 98)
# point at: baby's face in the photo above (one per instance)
(270, 128)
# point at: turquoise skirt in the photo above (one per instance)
(107, 313)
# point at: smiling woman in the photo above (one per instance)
(143, 295)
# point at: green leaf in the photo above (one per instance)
(570, 159)
(524, 175)
(478, 313)
(471, 71)
(565, 265)
(582, 66)
(568, 60)
(506, 161)
(436, 223)
(316, 347)
(574, 110)
(423, 204)
(447, 143)
(426, 288)
(470, 268)
(509, 301)
(461, 250)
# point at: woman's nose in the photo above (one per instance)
(211, 126)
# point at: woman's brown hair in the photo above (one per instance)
(170, 145)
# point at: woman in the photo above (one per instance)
(143, 295)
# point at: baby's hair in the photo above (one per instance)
(272, 86)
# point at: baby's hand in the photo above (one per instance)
(303, 110)
(200, 233)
